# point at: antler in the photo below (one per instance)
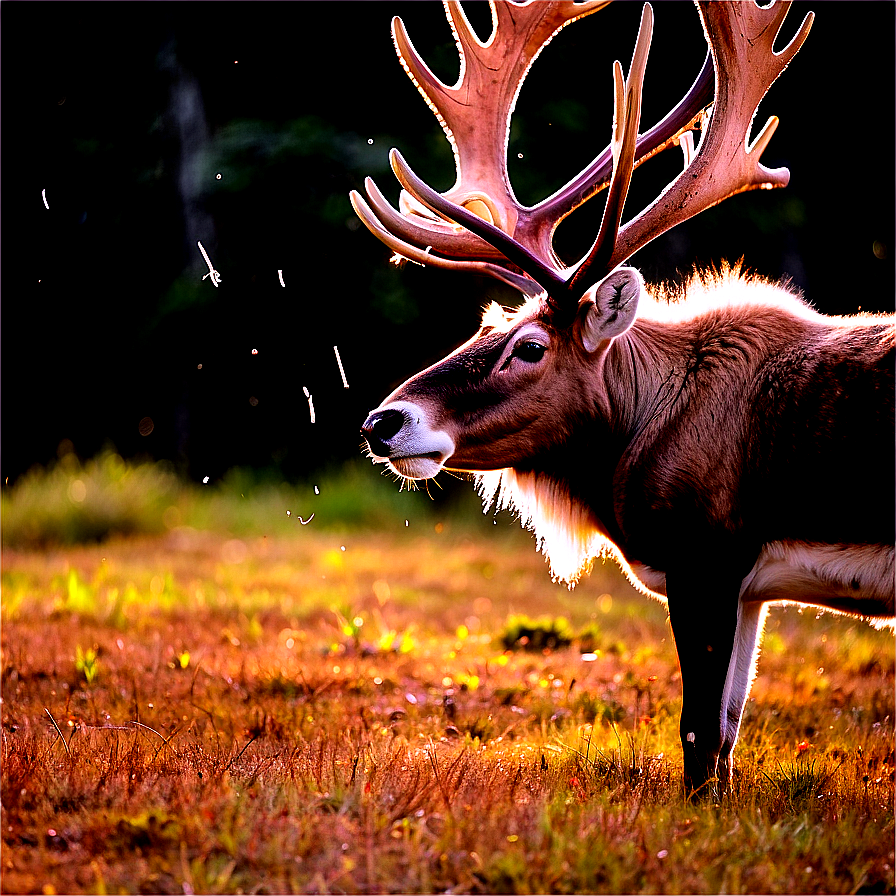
(475, 112)
(741, 38)
(479, 225)
(511, 238)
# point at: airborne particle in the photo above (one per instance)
(341, 369)
(310, 403)
(216, 277)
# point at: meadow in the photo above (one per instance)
(203, 693)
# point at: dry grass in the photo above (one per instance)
(197, 713)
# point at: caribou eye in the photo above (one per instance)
(529, 351)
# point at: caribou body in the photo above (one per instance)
(727, 445)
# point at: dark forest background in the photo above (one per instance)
(147, 127)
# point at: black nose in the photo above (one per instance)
(379, 427)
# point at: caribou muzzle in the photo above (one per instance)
(400, 434)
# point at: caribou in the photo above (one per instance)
(727, 445)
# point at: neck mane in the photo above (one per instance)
(565, 531)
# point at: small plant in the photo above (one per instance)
(86, 663)
(350, 627)
(381, 639)
(544, 633)
(594, 708)
(396, 642)
(800, 782)
(590, 638)
(80, 597)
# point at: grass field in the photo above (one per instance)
(409, 707)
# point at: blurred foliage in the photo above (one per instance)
(72, 502)
(252, 154)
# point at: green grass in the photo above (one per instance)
(329, 708)
(75, 502)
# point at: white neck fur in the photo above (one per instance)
(565, 532)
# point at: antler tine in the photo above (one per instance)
(741, 37)
(550, 279)
(417, 225)
(409, 252)
(625, 136)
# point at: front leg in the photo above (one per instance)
(703, 611)
(741, 671)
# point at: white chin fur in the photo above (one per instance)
(415, 467)
(417, 450)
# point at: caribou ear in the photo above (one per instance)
(610, 307)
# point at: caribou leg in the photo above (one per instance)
(704, 627)
(741, 670)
